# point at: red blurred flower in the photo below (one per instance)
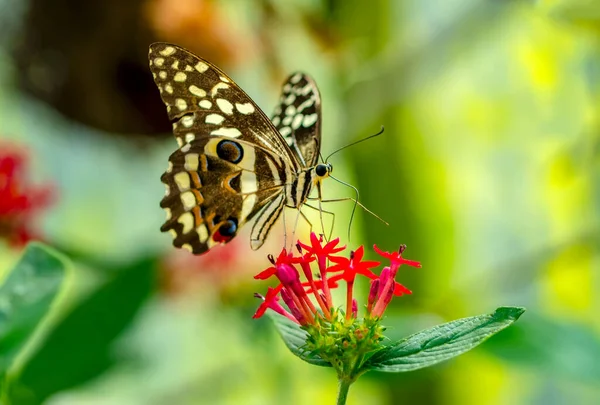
(19, 200)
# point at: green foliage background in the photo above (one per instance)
(488, 170)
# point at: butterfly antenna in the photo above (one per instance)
(354, 143)
(356, 202)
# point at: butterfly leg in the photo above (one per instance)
(356, 202)
(310, 225)
(284, 229)
(321, 212)
(296, 226)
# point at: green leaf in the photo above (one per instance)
(295, 338)
(81, 346)
(26, 297)
(441, 342)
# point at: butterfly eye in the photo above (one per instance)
(230, 151)
(321, 170)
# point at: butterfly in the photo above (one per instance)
(233, 162)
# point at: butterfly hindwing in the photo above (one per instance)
(213, 188)
(297, 117)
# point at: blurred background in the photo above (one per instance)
(488, 170)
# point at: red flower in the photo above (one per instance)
(283, 258)
(316, 249)
(270, 301)
(396, 258)
(19, 202)
(353, 266)
(311, 300)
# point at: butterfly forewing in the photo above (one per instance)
(297, 117)
(202, 100)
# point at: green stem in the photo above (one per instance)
(343, 387)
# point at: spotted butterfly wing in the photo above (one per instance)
(297, 117)
(232, 163)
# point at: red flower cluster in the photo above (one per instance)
(298, 296)
(19, 202)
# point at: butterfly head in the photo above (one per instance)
(323, 170)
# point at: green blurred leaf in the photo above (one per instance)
(80, 347)
(441, 342)
(295, 339)
(569, 350)
(26, 297)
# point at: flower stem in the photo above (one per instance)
(343, 387)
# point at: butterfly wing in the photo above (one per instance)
(232, 163)
(212, 190)
(297, 117)
(202, 101)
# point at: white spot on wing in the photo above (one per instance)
(169, 50)
(246, 108)
(276, 121)
(305, 104)
(189, 137)
(306, 89)
(297, 121)
(230, 132)
(225, 106)
(218, 87)
(290, 99)
(191, 162)
(285, 131)
(196, 91)
(290, 110)
(205, 104)
(188, 200)
(162, 74)
(296, 78)
(159, 61)
(201, 67)
(309, 120)
(187, 121)
(202, 233)
(247, 206)
(248, 182)
(181, 104)
(182, 179)
(214, 119)
(187, 220)
(180, 77)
